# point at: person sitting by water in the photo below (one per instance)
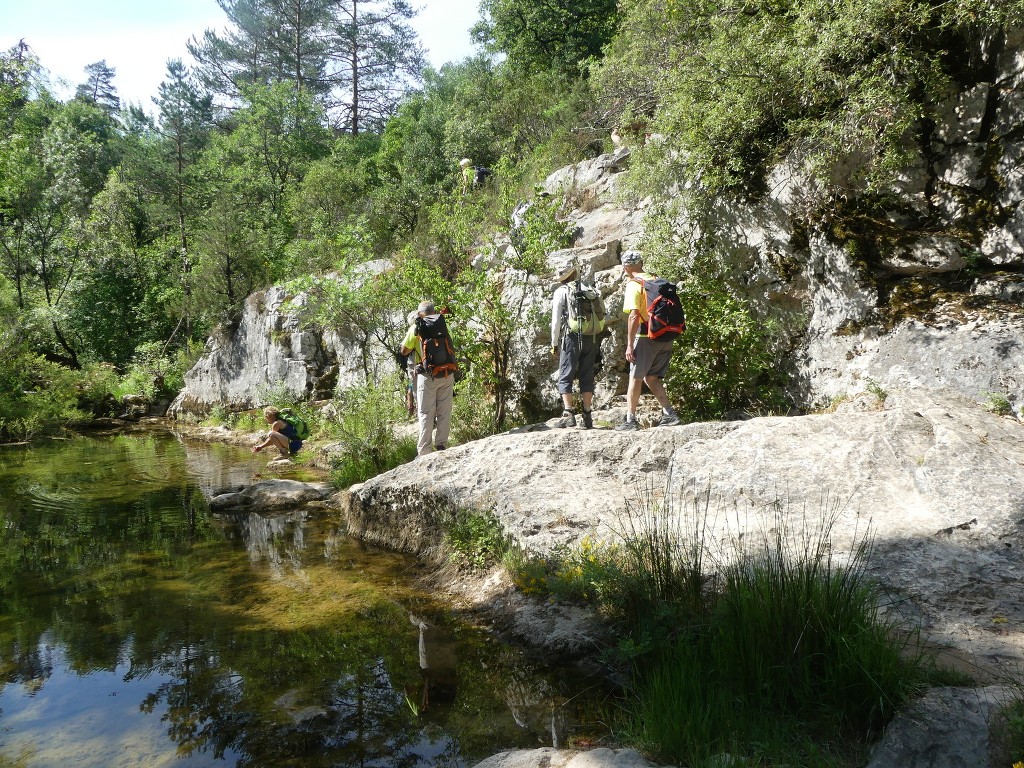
(282, 435)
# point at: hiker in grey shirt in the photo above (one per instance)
(576, 345)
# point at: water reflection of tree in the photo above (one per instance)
(213, 707)
(150, 581)
(82, 527)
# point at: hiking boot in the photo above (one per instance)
(668, 420)
(588, 420)
(628, 426)
(567, 420)
(440, 447)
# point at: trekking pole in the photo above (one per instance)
(579, 291)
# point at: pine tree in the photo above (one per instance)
(99, 89)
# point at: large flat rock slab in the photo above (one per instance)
(934, 478)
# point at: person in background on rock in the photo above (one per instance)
(281, 435)
(648, 358)
(577, 354)
(468, 174)
(434, 394)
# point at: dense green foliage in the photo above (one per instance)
(744, 83)
(364, 433)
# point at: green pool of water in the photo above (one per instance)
(137, 629)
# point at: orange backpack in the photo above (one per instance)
(437, 355)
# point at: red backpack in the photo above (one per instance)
(666, 319)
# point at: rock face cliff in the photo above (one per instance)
(271, 353)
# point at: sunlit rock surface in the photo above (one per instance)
(933, 479)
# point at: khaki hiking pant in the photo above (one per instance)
(434, 404)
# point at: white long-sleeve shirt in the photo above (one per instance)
(559, 309)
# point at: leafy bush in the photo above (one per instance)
(741, 85)
(780, 656)
(794, 642)
(365, 432)
(476, 539)
(1014, 732)
(153, 373)
(97, 384)
(728, 357)
(471, 421)
(39, 396)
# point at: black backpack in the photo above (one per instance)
(480, 174)
(666, 319)
(437, 352)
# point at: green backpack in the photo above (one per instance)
(586, 310)
(288, 416)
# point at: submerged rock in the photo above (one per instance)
(270, 496)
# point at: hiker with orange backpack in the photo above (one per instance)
(428, 341)
(655, 321)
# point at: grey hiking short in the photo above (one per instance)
(652, 358)
(575, 362)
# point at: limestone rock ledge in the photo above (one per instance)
(548, 757)
(935, 479)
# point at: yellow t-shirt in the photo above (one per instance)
(636, 297)
(412, 341)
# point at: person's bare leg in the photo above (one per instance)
(658, 390)
(633, 395)
(280, 442)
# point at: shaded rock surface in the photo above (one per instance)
(945, 728)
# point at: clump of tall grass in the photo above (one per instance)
(778, 651)
(365, 434)
(792, 641)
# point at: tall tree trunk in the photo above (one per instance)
(355, 67)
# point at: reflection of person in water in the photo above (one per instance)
(438, 680)
(534, 706)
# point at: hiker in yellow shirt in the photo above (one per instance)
(434, 393)
(648, 358)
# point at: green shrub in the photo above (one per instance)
(39, 396)
(999, 403)
(779, 656)
(728, 359)
(475, 539)
(1014, 732)
(96, 388)
(471, 418)
(794, 643)
(151, 373)
(365, 431)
